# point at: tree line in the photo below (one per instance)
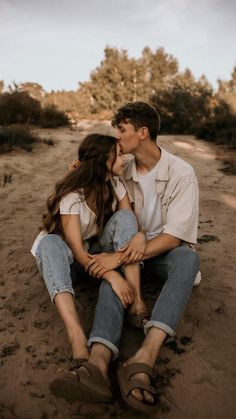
(186, 105)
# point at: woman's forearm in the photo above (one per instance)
(81, 256)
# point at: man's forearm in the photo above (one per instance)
(160, 245)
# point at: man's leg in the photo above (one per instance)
(54, 260)
(179, 268)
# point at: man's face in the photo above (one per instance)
(128, 138)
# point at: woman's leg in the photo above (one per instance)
(121, 228)
(54, 259)
(132, 274)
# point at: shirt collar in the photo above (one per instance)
(162, 169)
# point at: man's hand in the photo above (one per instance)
(103, 262)
(134, 250)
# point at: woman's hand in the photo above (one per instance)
(101, 263)
(134, 250)
(74, 165)
(123, 290)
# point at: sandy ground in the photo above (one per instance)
(195, 376)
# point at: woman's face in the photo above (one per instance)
(117, 168)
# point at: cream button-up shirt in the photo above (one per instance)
(177, 187)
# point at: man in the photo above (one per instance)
(163, 190)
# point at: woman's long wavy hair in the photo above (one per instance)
(90, 177)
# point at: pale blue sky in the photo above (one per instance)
(57, 43)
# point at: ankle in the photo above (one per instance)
(100, 356)
(78, 343)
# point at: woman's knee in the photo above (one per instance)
(126, 219)
(53, 246)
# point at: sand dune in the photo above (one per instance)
(195, 375)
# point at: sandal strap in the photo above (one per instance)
(93, 371)
(136, 368)
(137, 384)
(77, 362)
(128, 383)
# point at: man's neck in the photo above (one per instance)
(147, 156)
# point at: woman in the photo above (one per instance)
(89, 213)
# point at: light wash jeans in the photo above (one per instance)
(55, 262)
(178, 269)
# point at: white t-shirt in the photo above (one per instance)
(150, 218)
(74, 203)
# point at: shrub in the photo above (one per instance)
(221, 127)
(16, 136)
(50, 117)
(18, 108)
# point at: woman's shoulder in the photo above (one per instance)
(70, 203)
(118, 187)
(73, 196)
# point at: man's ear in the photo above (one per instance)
(144, 133)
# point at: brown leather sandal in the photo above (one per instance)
(79, 384)
(138, 320)
(127, 385)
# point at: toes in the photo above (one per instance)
(148, 396)
(137, 394)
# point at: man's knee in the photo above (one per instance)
(185, 256)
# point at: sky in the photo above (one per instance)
(57, 43)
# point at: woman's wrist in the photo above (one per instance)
(82, 258)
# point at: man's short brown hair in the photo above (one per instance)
(139, 114)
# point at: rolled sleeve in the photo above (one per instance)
(183, 210)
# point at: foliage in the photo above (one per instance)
(220, 127)
(18, 107)
(50, 117)
(16, 136)
(186, 105)
(121, 79)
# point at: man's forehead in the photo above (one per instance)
(124, 123)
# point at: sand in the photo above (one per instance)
(196, 375)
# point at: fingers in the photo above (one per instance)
(95, 269)
(123, 248)
(134, 257)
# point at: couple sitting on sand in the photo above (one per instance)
(108, 217)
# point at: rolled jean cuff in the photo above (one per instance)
(59, 291)
(105, 342)
(159, 325)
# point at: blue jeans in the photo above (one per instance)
(178, 269)
(56, 263)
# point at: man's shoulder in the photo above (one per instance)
(178, 166)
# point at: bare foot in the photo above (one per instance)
(142, 395)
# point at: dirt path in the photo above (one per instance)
(196, 376)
